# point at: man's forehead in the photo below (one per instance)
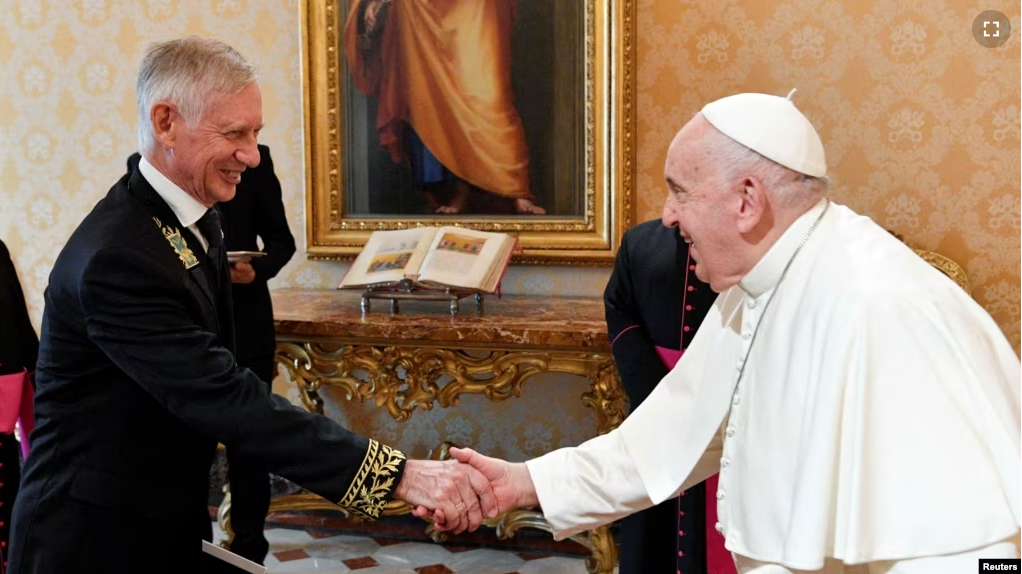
(683, 160)
(243, 107)
(686, 156)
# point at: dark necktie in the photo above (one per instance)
(209, 225)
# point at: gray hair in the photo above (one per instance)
(734, 161)
(190, 73)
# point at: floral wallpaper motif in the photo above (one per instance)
(921, 126)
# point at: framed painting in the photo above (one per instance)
(498, 115)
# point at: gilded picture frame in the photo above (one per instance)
(600, 202)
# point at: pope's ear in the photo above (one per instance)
(754, 204)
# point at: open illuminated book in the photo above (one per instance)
(433, 257)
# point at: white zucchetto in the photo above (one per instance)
(771, 126)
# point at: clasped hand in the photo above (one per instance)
(242, 272)
(459, 494)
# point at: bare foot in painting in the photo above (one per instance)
(526, 207)
(457, 201)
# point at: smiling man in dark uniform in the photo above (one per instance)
(255, 213)
(136, 378)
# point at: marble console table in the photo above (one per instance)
(397, 360)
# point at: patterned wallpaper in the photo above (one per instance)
(921, 126)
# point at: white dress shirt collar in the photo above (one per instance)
(767, 273)
(187, 209)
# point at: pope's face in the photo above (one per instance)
(700, 209)
(208, 159)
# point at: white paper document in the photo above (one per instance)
(242, 564)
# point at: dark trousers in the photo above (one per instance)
(10, 478)
(250, 487)
(650, 541)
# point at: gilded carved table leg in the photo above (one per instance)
(298, 365)
(223, 518)
(604, 556)
(607, 397)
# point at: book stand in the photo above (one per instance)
(409, 290)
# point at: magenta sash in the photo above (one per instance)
(670, 357)
(11, 387)
(16, 404)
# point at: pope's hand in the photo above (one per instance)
(511, 483)
(455, 491)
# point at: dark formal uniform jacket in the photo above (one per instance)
(136, 384)
(18, 348)
(256, 211)
(653, 282)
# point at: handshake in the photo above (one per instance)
(460, 493)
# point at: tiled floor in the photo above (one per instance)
(300, 551)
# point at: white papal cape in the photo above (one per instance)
(877, 419)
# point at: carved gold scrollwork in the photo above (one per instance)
(299, 368)
(947, 266)
(604, 556)
(607, 396)
(942, 263)
(404, 379)
(223, 518)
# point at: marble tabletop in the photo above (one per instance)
(575, 323)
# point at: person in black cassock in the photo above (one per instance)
(18, 348)
(654, 304)
(257, 211)
(137, 380)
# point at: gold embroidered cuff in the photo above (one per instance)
(374, 482)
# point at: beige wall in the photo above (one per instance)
(921, 126)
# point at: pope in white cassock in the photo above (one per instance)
(862, 409)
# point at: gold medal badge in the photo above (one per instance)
(179, 244)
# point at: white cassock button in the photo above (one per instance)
(735, 400)
(730, 430)
(746, 335)
(724, 462)
(751, 304)
(719, 527)
(738, 367)
(720, 494)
